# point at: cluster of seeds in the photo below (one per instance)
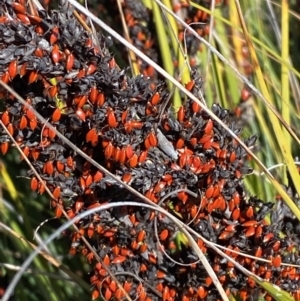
(183, 161)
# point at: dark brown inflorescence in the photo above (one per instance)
(185, 162)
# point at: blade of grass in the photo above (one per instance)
(285, 87)
(173, 29)
(165, 50)
(30, 246)
(275, 122)
(255, 40)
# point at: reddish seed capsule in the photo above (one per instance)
(180, 114)
(5, 118)
(133, 161)
(70, 62)
(122, 156)
(182, 196)
(245, 95)
(53, 91)
(98, 176)
(208, 127)
(152, 139)
(49, 168)
(236, 214)
(216, 192)
(236, 199)
(24, 19)
(137, 125)
(90, 230)
(276, 246)
(41, 188)
(22, 71)
(54, 35)
(34, 184)
(209, 192)
(88, 43)
(55, 54)
(34, 20)
(33, 124)
(258, 252)
(258, 231)
(113, 286)
(202, 292)
(167, 178)
(250, 223)
(276, 261)
(124, 116)
(166, 294)
(39, 52)
(100, 99)
(23, 123)
(250, 212)
(39, 30)
(127, 286)
(80, 114)
(88, 180)
(4, 147)
(10, 129)
(250, 232)
(81, 73)
(30, 114)
(58, 211)
(147, 143)
(3, 19)
(118, 259)
(222, 154)
(106, 260)
(116, 154)
(111, 118)
(183, 159)
(82, 183)
(129, 151)
(164, 235)
(205, 139)
(60, 166)
(190, 85)
(91, 69)
(296, 295)
(5, 77)
(196, 107)
(226, 235)
(78, 205)
(112, 63)
(92, 137)
(56, 192)
(18, 8)
(126, 178)
(180, 143)
(268, 237)
(108, 151)
(56, 115)
(143, 156)
(33, 75)
(159, 186)
(35, 154)
(155, 99)
(12, 69)
(93, 94)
